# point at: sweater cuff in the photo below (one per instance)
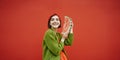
(63, 39)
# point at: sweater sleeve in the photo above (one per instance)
(68, 41)
(52, 43)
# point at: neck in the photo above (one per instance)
(54, 29)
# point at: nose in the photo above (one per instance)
(55, 20)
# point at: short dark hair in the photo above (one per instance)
(49, 26)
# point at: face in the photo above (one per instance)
(55, 22)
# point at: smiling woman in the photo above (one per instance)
(54, 42)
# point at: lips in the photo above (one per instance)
(55, 23)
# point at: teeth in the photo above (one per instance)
(55, 23)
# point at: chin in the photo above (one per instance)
(55, 27)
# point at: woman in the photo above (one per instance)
(54, 42)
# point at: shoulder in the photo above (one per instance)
(49, 32)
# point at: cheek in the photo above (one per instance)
(51, 22)
(59, 22)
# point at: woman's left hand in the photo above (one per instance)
(67, 27)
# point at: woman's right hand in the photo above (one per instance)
(67, 27)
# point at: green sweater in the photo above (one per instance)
(52, 46)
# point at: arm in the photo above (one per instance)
(69, 40)
(68, 33)
(53, 45)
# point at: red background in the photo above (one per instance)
(96, 28)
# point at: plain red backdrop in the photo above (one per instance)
(96, 28)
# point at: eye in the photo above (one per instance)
(52, 19)
(57, 19)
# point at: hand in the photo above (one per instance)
(67, 27)
(70, 23)
(64, 35)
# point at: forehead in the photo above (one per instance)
(55, 16)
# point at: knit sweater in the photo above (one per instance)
(52, 46)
